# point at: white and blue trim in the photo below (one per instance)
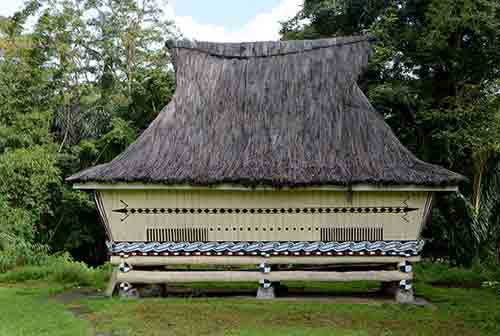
(390, 248)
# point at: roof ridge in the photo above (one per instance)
(261, 49)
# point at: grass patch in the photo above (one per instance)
(477, 308)
(443, 273)
(177, 316)
(456, 311)
(26, 311)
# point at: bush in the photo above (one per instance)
(26, 273)
(443, 272)
(15, 252)
(60, 268)
(67, 271)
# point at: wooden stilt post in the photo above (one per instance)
(110, 289)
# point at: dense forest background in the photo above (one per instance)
(80, 80)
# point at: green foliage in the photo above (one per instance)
(26, 176)
(444, 273)
(61, 269)
(435, 78)
(25, 130)
(452, 233)
(76, 90)
(67, 271)
(327, 18)
(115, 141)
(15, 221)
(467, 128)
(15, 251)
(487, 220)
(148, 96)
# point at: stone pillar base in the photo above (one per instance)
(265, 293)
(403, 296)
(132, 293)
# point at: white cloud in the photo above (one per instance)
(263, 27)
(9, 7)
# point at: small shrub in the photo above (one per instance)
(70, 272)
(101, 275)
(62, 269)
(26, 273)
(15, 252)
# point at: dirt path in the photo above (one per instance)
(72, 300)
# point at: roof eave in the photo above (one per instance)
(236, 187)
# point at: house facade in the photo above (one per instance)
(267, 150)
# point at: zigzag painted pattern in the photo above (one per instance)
(407, 247)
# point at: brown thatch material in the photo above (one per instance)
(269, 113)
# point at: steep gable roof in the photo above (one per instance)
(269, 113)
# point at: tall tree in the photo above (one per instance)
(77, 86)
(434, 74)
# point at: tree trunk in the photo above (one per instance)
(480, 166)
(476, 188)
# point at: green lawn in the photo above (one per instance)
(34, 309)
(26, 311)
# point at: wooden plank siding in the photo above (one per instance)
(263, 215)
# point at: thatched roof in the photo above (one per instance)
(269, 113)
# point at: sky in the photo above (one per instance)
(218, 20)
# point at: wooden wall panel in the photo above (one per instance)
(127, 225)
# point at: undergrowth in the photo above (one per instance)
(21, 260)
(15, 251)
(443, 272)
(60, 268)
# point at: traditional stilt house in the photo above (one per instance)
(268, 154)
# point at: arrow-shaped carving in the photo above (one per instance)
(407, 209)
(123, 211)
